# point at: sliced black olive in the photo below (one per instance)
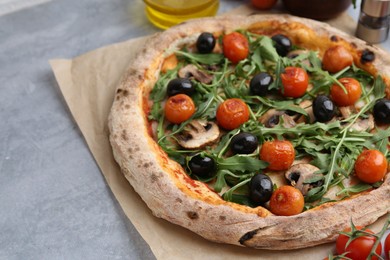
(382, 111)
(282, 44)
(323, 108)
(202, 166)
(180, 86)
(205, 42)
(244, 143)
(260, 188)
(259, 83)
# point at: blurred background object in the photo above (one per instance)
(374, 21)
(263, 4)
(166, 13)
(317, 9)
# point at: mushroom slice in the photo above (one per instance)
(365, 124)
(307, 105)
(347, 111)
(272, 117)
(295, 53)
(298, 174)
(198, 133)
(191, 70)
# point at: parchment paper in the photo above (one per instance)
(88, 84)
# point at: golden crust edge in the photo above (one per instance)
(175, 200)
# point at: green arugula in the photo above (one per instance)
(333, 147)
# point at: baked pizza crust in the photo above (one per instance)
(172, 195)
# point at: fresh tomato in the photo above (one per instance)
(336, 58)
(235, 46)
(359, 248)
(280, 154)
(179, 108)
(263, 4)
(371, 166)
(232, 113)
(387, 246)
(354, 91)
(286, 201)
(295, 82)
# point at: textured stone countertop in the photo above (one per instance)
(54, 202)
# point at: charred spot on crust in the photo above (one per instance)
(222, 218)
(125, 93)
(154, 178)
(334, 38)
(179, 200)
(146, 165)
(124, 135)
(127, 106)
(118, 91)
(247, 236)
(192, 215)
(367, 56)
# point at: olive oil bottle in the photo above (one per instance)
(166, 13)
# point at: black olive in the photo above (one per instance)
(282, 44)
(259, 83)
(202, 166)
(244, 143)
(382, 111)
(323, 108)
(260, 188)
(180, 86)
(367, 56)
(205, 43)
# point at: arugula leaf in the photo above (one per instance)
(241, 163)
(207, 59)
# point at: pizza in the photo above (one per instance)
(263, 131)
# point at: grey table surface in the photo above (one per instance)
(54, 202)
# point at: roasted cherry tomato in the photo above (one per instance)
(286, 201)
(232, 113)
(263, 4)
(359, 248)
(387, 246)
(295, 82)
(336, 58)
(354, 91)
(179, 108)
(235, 46)
(280, 154)
(371, 166)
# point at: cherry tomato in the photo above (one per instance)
(371, 166)
(280, 154)
(387, 246)
(354, 91)
(235, 46)
(232, 113)
(336, 58)
(179, 108)
(263, 4)
(286, 201)
(359, 248)
(295, 82)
